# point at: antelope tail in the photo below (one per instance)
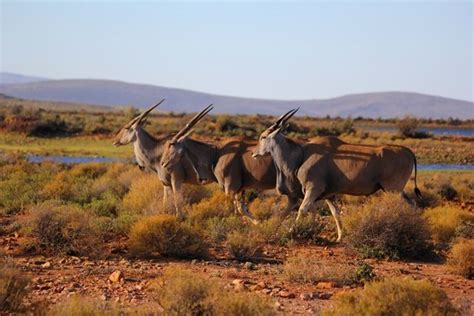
(417, 191)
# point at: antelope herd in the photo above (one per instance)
(311, 171)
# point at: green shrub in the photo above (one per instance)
(388, 226)
(165, 235)
(393, 297)
(217, 228)
(13, 285)
(461, 258)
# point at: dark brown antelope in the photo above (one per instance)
(320, 170)
(230, 164)
(148, 151)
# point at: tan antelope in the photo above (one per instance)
(320, 170)
(230, 164)
(148, 151)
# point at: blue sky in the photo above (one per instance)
(267, 50)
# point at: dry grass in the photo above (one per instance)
(12, 288)
(185, 292)
(445, 220)
(62, 229)
(394, 297)
(164, 235)
(305, 268)
(218, 205)
(387, 226)
(244, 246)
(461, 258)
(145, 196)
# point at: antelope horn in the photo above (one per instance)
(143, 115)
(192, 122)
(282, 119)
(288, 116)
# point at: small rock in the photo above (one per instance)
(239, 287)
(286, 294)
(306, 296)
(116, 276)
(324, 296)
(249, 265)
(237, 281)
(46, 265)
(266, 291)
(194, 261)
(325, 285)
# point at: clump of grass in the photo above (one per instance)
(217, 228)
(79, 306)
(263, 208)
(394, 297)
(445, 220)
(305, 268)
(218, 205)
(145, 196)
(62, 229)
(244, 246)
(243, 304)
(184, 292)
(461, 258)
(388, 226)
(164, 235)
(13, 289)
(307, 228)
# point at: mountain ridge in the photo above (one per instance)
(121, 93)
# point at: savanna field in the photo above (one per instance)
(94, 238)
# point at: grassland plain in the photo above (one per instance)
(76, 239)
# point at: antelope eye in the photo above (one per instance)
(263, 137)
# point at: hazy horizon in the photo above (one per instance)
(278, 51)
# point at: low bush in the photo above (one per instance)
(306, 268)
(217, 228)
(82, 306)
(388, 226)
(145, 196)
(445, 220)
(13, 285)
(263, 208)
(185, 292)
(242, 304)
(407, 127)
(62, 229)
(393, 297)
(164, 235)
(218, 205)
(461, 258)
(244, 246)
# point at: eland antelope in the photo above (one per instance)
(320, 170)
(230, 164)
(148, 151)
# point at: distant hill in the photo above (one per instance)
(11, 78)
(118, 93)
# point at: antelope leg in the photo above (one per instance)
(242, 208)
(335, 213)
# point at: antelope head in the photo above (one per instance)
(128, 133)
(267, 137)
(174, 148)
